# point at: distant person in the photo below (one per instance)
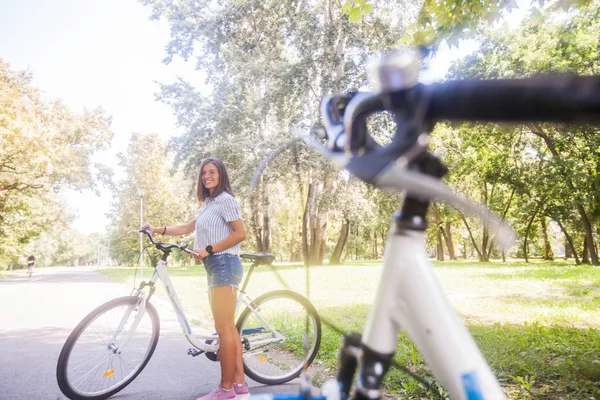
(30, 265)
(219, 229)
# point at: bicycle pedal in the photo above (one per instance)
(194, 352)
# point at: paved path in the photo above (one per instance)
(37, 314)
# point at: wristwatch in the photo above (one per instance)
(209, 250)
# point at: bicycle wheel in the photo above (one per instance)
(95, 363)
(277, 354)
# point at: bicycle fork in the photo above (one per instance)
(141, 310)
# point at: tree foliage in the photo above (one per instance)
(551, 168)
(44, 147)
(168, 197)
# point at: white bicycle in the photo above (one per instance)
(280, 332)
(409, 296)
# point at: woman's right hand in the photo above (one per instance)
(149, 227)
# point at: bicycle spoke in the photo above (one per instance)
(91, 372)
(283, 316)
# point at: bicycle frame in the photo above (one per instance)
(206, 343)
(410, 298)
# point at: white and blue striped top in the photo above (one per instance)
(212, 222)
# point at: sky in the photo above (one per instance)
(95, 54)
(109, 54)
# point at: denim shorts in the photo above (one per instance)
(223, 270)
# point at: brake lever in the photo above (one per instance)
(339, 159)
(183, 247)
(398, 178)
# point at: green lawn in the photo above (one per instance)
(6, 273)
(537, 324)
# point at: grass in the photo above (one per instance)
(538, 324)
(6, 274)
(14, 272)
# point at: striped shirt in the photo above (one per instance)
(212, 222)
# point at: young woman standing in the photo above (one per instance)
(219, 229)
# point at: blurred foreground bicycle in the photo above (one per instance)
(409, 296)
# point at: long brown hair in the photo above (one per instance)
(223, 186)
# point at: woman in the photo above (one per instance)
(219, 229)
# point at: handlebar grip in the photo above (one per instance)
(550, 98)
(191, 252)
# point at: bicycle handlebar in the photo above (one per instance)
(165, 247)
(552, 99)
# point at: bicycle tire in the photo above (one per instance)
(111, 362)
(280, 362)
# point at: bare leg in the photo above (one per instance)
(222, 302)
(238, 377)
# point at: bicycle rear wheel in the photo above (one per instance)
(95, 361)
(274, 352)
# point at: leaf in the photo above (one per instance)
(346, 7)
(407, 39)
(354, 15)
(419, 37)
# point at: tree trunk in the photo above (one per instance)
(322, 213)
(355, 242)
(485, 238)
(568, 249)
(341, 242)
(255, 226)
(485, 234)
(548, 253)
(589, 236)
(569, 241)
(266, 237)
(439, 231)
(306, 224)
(375, 244)
(447, 232)
(297, 170)
(440, 245)
(527, 233)
(292, 246)
(508, 204)
(473, 242)
(586, 253)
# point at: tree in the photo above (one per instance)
(454, 20)
(169, 195)
(44, 147)
(566, 159)
(565, 45)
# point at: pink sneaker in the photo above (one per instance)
(219, 394)
(241, 390)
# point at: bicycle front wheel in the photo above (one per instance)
(273, 337)
(107, 349)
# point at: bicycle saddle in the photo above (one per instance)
(260, 258)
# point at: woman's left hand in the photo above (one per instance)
(202, 253)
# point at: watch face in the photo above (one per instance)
(209, 249)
